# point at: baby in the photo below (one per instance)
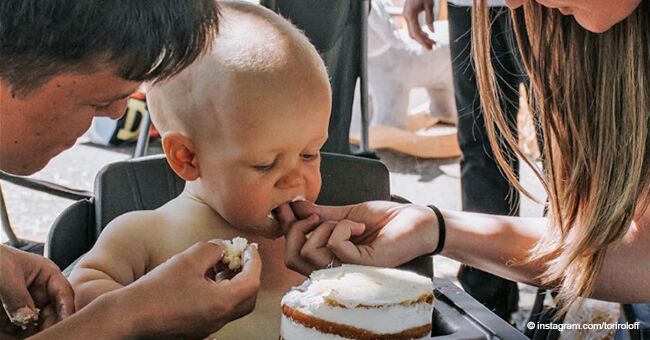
(243, 127)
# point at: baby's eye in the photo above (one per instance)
(265, 167)
(309, 156)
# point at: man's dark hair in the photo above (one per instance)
(145, 40)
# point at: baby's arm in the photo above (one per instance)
(118, 258)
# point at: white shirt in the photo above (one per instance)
(491, 3)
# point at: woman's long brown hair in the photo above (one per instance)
(590, 94)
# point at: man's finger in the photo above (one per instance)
(247, 282)
(38, 292)
(50, 287)
(204, 255)
(48, 317)
(61, 295)
(415, 31)
(15, 296)
(424, 39)
(428, 14)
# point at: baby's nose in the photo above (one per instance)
(292, 179)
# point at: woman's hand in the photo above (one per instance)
(377, 233)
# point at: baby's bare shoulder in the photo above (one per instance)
(122, 250)
(144, 231)
(135, 223)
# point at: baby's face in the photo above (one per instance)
(268, 153)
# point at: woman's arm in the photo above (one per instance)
(500, 244)
(497, 244)
(625, 276)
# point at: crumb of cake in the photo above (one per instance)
(232, 255)
(24, 317)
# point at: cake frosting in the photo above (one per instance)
(359, 302)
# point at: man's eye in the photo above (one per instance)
(101, 107)
(264, 167)
(309, 156)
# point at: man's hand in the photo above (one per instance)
(412, 9)
(182, 297)
(374, 233)
(28, 282)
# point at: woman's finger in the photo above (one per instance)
(295, 239)
(285, 216)
(315, 249)
(341, 245)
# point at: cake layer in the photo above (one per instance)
(292, 330)
(297, 325)
(381, 320)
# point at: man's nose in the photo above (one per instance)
(117, 114)
(121, 109)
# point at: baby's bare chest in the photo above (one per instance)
(275, 275)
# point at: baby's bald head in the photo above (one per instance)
(244, 124)
(258, 60)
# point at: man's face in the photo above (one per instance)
(38, 126)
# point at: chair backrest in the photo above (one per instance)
(148, 183)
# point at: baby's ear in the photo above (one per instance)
(181, 155)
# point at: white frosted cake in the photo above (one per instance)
(359, 302)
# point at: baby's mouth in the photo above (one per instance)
(298, 198)
(273, 213)
(274, 210)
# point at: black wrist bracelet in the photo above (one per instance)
(442, 230)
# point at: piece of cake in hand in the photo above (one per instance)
(24, 317)
(359, 302)
(232, 255)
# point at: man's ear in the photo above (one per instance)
(181, 155)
